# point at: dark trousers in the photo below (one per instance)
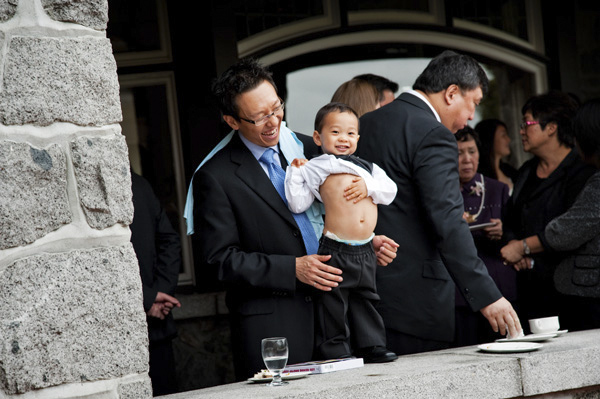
(471, 328)
(289, 315)
(346, 316)
(405, 344)
(162, 367)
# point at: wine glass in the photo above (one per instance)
(275, 356)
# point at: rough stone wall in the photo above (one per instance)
(72, 323)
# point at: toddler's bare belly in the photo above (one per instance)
(345, 219)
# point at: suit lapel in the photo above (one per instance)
(253, 175)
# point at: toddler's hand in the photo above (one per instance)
(297, 162)
(357, 190)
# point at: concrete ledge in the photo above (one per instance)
(200, 305)
(566, 367)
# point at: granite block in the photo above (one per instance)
(90, 13)
(103, 179)
(59, 79)
(34, 201)
(71, 318)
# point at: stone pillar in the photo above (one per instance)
(72, 324)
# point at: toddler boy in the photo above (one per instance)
(350, 189)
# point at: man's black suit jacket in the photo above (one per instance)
(158, 249)
(436, 247)
(248, 233)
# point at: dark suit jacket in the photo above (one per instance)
(311, 150)
(248, 233)
(436, 247)
(577, 231)
(158, 249)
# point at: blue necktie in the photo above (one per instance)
(277, 176)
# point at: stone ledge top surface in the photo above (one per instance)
(564, 363)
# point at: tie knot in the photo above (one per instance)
(268, 156)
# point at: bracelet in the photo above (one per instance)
(526, 249)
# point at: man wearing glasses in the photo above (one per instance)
(265, 254)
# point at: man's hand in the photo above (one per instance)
(297, 162)
(163, 303)
(357, 190)
(311, 270)
(156, 311)
(501, 314)
(385, 249)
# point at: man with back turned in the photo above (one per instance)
(412, 140)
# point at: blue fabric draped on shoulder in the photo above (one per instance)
(291, 147)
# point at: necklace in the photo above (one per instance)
(470, 217)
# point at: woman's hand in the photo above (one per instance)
(494, 232)
(523, 264)
(512, 252)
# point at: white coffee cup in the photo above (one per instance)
(544, 325)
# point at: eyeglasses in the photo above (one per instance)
(261, 121)
(526, 124)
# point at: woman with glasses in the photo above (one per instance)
(578, 232)
(545, 187)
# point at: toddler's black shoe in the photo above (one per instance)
(376, 354)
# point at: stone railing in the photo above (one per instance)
(565, 367)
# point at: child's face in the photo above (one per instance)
(339, 135)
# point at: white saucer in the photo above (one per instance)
(285, 376)
(509, 347)
(529, 338)
(561, 332)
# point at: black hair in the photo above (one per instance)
(245, 75)
(586, 125)
(486, 129)
(467, 133)
(381, 83)
(328, 109)
(554, 106)
(450, 68)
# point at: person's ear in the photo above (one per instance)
(551, 128)
(450, 93)
(232, 122)
(317, 138)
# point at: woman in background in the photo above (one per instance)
(360, 95)
(577, 232)
(545, 187)
(495, 146)
(484, 199)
